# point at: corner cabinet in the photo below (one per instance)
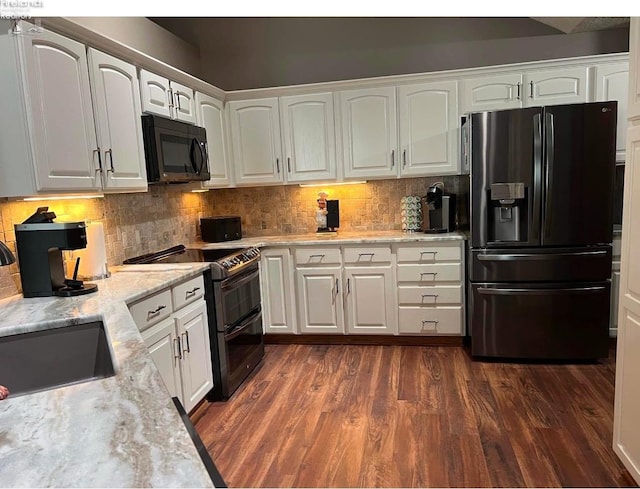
(211, 116)
(429, 129)
(369, 132)
(255, 141)
(116, 103)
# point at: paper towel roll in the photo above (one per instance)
(93, 258)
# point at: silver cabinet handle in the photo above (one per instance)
(186, 337)
(404, 158)
(278, 165)
(289, 164)
(531, 89)
(97, 150)
(393, 158)
(433, 321)
(110, 153)
(337, 287)
(177, 95)
(170, 95)
(366, 254)
(434, 253)
(430, 295)
(155, 311)
(191, 293)
(518, 93)
(321, 256)
(176, 341)
(348, 286)
(428, 273)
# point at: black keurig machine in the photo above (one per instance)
(39, 242)
(442, 210)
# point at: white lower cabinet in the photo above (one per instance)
(276, 278)
(178, 344)
(319, 300)
(430, 292)
(370, 300)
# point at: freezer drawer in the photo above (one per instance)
(540, 321)
(592, 264)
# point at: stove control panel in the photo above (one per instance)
(240, 258)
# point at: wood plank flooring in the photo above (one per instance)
(413, 416)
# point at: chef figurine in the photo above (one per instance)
(321, 212)
(4, 392)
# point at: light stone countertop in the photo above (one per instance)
(339, 238)
(121, 431)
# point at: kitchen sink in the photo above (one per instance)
(43, 360)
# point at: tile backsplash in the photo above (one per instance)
(371, 206)
(165, 216)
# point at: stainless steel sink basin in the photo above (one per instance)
(44, 360)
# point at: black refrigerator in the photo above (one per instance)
(539, 264)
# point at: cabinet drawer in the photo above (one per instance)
(430, 320)
(440, 272)
(152, 309)
(188, 291)
(430, 295)
(317, 256)
(363, 255)
(429, 254)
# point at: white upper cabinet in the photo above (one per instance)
(308, 137)
(116, 103)
(556, 86)
(184, 103)
(612, 83)
(256, 145)
(493, 92)
(167, 98)
(429, 128)
(63, 137)
(210, 112)
(369, 132)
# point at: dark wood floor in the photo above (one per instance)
(398, 416)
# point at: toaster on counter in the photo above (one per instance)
(223, 228)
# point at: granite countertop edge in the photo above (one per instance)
(120, 431)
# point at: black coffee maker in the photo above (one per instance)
(39, 242)
(441, 209)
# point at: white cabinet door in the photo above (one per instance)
(155, 94)
(278, 297)
(319, 300)
(63, 131)
(626, 435)
(210, 113)
(634, 68)
(429, 129)
(193, 331)
(162, 344)
(369, 132)
(370, 301)
(256, 145)
(309, 137)
(612, 83)
(184, 103)
(493, 92)
(116, 103)
(555, 87)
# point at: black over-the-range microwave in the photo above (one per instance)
(174, 151)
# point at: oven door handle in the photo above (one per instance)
(234, 284)
(243, 326)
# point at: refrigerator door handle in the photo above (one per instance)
(547, 257)
(537, 176)
(549, 150)
(572, 290)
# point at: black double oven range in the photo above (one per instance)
(232, 294)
